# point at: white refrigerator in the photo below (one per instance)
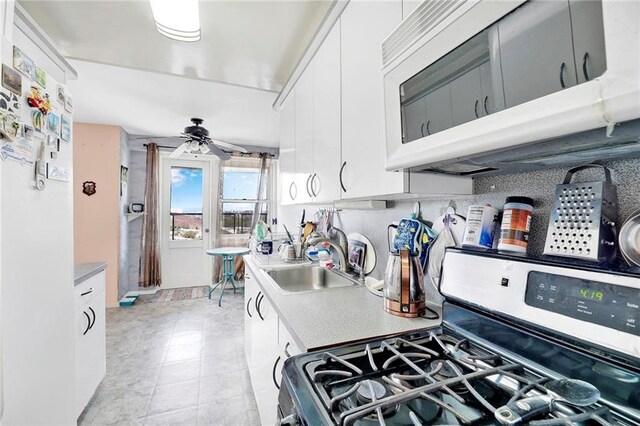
(36, 257)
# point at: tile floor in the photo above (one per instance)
(175, 363)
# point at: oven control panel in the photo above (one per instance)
(597, 302)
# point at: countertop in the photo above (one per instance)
(335, 316)
(83, 271)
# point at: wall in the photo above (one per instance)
(97, 217)
(539, 185)
(38, 356)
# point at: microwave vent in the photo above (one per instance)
(425, 18)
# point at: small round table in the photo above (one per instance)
(227, 254)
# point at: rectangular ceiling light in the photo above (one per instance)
(177, 19)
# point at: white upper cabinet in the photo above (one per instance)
(325, 184)
(288, 189)
(364, 25)
(304, 135)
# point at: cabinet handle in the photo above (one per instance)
(258, 307)
(584, 66)
(87, 292)
(248, 303)
(475, 108)
(341, 182)
(292, 195)
(273, 372)
(486, 110)
(313, 179)
(88, 322)
(286, 352)
(428, 130)
(562, 67)
(94, 317)
(308, 191)
(422, 129)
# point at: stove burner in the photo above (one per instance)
(444, 370)
(365, 389)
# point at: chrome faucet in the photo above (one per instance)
(338, 248)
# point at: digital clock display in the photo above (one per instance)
(597, 302)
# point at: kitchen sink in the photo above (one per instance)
(309, 278)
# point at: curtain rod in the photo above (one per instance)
(238, 154)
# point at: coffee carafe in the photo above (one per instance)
(404, 285)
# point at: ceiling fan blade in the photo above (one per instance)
(220, 153)
(158, 137)
(179, 150)
(229, 145)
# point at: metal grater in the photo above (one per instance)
(583, 216)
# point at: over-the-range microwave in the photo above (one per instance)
(494, 86)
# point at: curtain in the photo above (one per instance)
(149, 270)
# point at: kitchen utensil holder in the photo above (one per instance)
(583, 218)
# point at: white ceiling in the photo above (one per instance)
(147, 103)
(247, 43)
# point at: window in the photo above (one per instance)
(240, 180)
(186, 203)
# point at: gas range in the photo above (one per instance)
(482, 365)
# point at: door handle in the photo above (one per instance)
(307, 186)
(286, 351)
(94, 317)
(475, 108)
(292, 195)
(422, 129)
(428, 130)
(258, 302)
(88, 322)
(87, 292)
(313, 179)
(562, 83)
(273, 373)
(584, 66)
(486, 110)
(341, 181)
(248, 303)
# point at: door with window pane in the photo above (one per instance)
(185, 223)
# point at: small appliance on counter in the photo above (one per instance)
(522, 341)
(404, 285)
(583, 218)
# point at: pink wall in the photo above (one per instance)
(96, 157)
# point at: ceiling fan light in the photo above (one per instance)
(194, 146)
(204, 149)
(178, 20)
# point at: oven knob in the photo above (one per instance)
(290, 420)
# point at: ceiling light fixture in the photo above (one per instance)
(177, 19)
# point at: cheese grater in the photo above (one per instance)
(583, 216)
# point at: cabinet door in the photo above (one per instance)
(414, 119)
(465, 97)
(325, 184)
(288, 189)
(250, 292)
(492, 98)
(90, 349)
(364, 25)
(439, 115)
(537, 51)
(588, 38)
(304, 134)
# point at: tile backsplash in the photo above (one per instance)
(538, 185)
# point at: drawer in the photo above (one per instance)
(288, 346)
(88, 289)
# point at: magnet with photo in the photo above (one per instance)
(9, 102)
(68, 104)
(65, 128)
(53, 123)
(41, 77)
(52, 143)
(23, 63)
(11, 79)
(60, 94)
(9, 126)
(37, 119)
(27, 131)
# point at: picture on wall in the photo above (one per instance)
(53, 123)
(60, 94)
(68, 105)
(65, 128)
(41, 77)
(124, 177)
(12, 80)
(23, 63)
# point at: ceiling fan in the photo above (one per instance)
(197, 140)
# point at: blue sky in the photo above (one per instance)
(186, 189)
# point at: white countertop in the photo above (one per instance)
(335, 316)
(82, 271)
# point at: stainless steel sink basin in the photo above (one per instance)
(309, 278)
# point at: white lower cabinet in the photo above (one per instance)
(90, 338)
(267, 345)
